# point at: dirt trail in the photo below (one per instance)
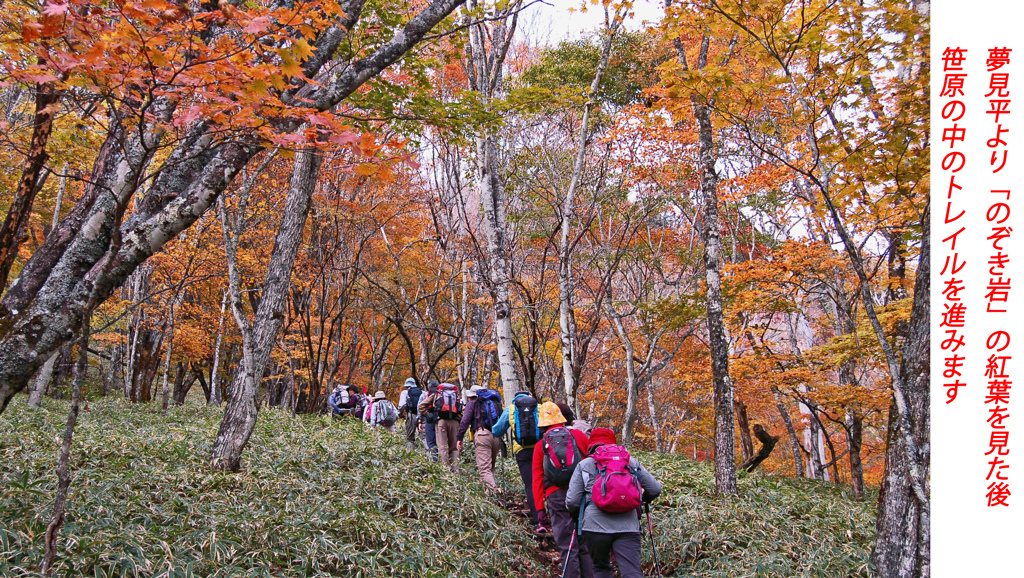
(544, 550)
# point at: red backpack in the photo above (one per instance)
(616, 487)
(448, 404)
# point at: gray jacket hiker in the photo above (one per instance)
(412, 418)
(597, 520)
(605, 533)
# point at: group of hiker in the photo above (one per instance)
(579, 482)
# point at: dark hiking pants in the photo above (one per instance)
(575, 559)
(430, 440)
(625, 545)
(524, 459)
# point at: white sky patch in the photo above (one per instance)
(550, 22)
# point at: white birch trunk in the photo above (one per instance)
(214, 389)
(489, 44)
(35, 397)
(565, 322)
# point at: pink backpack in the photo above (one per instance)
(616, 487)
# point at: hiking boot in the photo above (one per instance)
(541, 529)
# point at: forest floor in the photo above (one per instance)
(333, 498)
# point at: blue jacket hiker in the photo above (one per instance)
(520, 419)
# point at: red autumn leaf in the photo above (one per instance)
(257, 25)
(55, 9)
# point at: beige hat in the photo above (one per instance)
(472, 391)
(379, 396)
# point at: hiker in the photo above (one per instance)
(605, 494)
(520, 419)
(347, 400)
(407, 404)
(381, 413)
(557, 457)
(428, 420)
(570, 419)
(446, 403)
(481, 413)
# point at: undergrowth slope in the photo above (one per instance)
(316, 498)
(321, 498)
(777, 526)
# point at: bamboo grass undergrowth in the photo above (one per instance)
(318, 497)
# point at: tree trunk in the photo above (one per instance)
(725, 428)
(855, 426)
(655, 425)
(57, 303)
(60, 198)
(35, 397)
(629, 417)
(902, 530)
(184, 377)
(813, 439)
(214, 397)
(62, 368)
(746, 443)
(145, 369)
(197, 373)
(47, 103)
(258, 338)
(768, 442)
(488, 48)
(63, 462)
(114, 368)
(798, 458)
(565, 313)
(165, 390)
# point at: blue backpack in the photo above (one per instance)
(488, 408)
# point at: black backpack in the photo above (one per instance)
(526, 431)
(413, 400)
(561, 456)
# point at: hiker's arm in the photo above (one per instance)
(425, 402)
(403, 400)
(467, 416)
(538, 476)
(501, 426)
(574, 497)
(334, 406)
(582, 441)
(651, 486)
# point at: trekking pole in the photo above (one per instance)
(565, 566)
(650, 528)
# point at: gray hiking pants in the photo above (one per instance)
(411, 426)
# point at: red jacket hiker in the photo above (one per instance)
(539, 492)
